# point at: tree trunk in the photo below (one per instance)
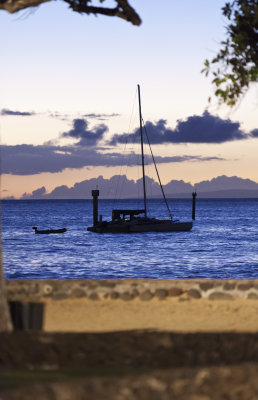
(5, 321)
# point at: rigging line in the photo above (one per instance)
(127, 164)
(149, 174)
(142, 152)
(119, 175)
(121, 166)
(163, 193)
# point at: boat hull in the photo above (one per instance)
(162, 226)
(169, 227)
(48, 231)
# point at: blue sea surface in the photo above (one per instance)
(222, 244)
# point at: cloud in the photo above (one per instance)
(58, 115)
(108, 188)
(52, 157)
(5, 111)
(100, 116)
(206, 128)
(86, 137)
(28, 159)
(254, 133)
(131, 189)
(67, 117)
(39, 192)
(226, 183)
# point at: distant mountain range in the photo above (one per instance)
(121, 187)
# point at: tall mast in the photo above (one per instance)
(143, 172)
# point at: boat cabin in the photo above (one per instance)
(118, 215)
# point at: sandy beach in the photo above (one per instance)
(171, 314)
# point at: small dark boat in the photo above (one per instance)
(47, 231)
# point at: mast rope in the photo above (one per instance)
(142, 151)
(119, 185)
(157, 172)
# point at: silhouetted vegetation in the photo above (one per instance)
(236, 64)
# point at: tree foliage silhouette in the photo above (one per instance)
(235, 67)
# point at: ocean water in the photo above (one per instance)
(222, 244)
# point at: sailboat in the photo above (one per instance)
(136, 221)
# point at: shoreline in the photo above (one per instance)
(136, 304)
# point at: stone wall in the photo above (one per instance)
(129, 289)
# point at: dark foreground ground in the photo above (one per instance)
(129, 365)
(196, 383)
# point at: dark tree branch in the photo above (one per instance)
(122, 10)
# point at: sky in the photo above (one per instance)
(68, 96)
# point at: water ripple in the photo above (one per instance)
(223, 243)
